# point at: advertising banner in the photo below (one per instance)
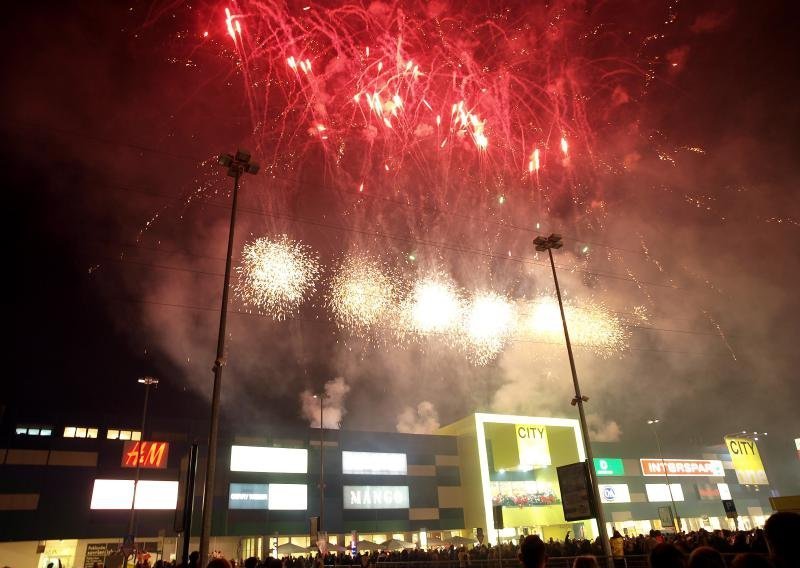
(268, 496)
(681, 467)
(374, 463)
(659, 492)
(150, 455)
(375, 497)
(260, 459)
(746, 461)
(608, 466)
(576, 491)
(614, 493)
(532, 445)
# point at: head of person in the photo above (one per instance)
(219, 563)
(585, 562)
(532, 553)
(706, 557)
(616, 534)
(750, 560)
(781, 531)
(666, 555)
(251, 562)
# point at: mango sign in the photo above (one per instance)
(532, 445)
(150, 455)
(746, 461)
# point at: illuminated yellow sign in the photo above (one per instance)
(746, 461)
(532, 445)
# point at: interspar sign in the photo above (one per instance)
(677, 468)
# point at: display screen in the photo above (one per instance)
(269, 460)
(118, 493)
(374, 463)
(375, 497)
(658, 492)
(268, 496)
(614, 493)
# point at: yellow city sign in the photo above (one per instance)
(746, 461)
(532, 445)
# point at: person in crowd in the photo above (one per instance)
(781, 531)
(751, 560)
(706, 557)
(585, 561)
(532, 552)
(666, 555)
(218, 562)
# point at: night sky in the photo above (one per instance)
(112, 110)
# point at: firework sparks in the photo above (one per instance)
(435, 306)
(363, 294)
(276, 275)
(591, 325)
(488, 323)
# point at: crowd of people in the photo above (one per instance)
(776, 546)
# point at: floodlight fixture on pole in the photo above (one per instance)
(236, 165)
(147, 382)
(548, 244)
(652, 423)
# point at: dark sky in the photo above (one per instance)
(109, 109)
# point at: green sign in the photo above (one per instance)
(608, 466)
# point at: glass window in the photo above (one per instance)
(46, 432)
(80, 432)
(69, 432)
(136, 435)
(33, 431)
(124, 434)
(21, 431)
(112, 434)
(91, 432)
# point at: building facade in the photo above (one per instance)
(66, 489)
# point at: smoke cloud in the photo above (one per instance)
(333, 405)
(422, 420)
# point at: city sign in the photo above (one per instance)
(681, 467)
(374, 463)
(614, 493)
(375, 496)
(608, 466)
(259, 459)
(746, 461)
(150, 455)
(532, 444)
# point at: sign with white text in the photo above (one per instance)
(681, 468)
(608, 466)
(268, 496)
(375, 497)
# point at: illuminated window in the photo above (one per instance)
(112, 435)
(33, 431)
(136, 435)
(123, 435)
(22, 431)
(80, 432)
(46, 432)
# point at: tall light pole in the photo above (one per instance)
(147, 382)
(548, 244)
(237, 165)
(321, 398)
(652, 422)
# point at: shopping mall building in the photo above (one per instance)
(66, 488)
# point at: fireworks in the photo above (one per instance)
(591, 325)
(488, 323)
(276, 275)
(363, 295)
(434, 307)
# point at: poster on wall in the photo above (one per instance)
(576, 491)
(746, 461)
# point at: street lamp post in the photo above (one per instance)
(652, 422)
(147, 382)
(237, 165)
(548, 244)
(321, 398)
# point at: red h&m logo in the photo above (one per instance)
(149, 455)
